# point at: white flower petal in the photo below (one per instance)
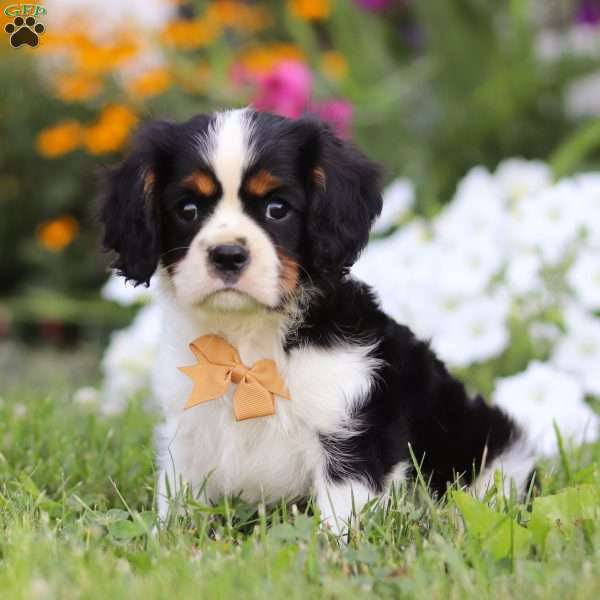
(541, 396)
(398, 199)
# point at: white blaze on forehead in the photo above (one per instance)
(228, 150)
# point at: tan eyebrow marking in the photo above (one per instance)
(319, 177)
(262, 183)
(201, 182)
(149, 178)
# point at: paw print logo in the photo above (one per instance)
(24, 31)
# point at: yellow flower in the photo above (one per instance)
(60, 139)
(263, 58)
(334, 65)
(75, 87)
(57, 234)
(311, 10)
(189, 34)
(151, 83)
(111, 131)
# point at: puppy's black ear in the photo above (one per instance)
(345, 199)
(129, 207)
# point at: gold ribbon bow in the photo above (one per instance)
(219, 365)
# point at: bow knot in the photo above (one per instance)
(219, 365)
(238, 373)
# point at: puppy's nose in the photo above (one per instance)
(229, 259)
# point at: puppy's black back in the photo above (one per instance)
(414, 400)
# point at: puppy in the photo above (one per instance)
(250, 222)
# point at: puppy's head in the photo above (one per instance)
(240, 208)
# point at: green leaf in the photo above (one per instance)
(572, 153)
(112, 516)
(29, 485)
(126, 530)
(498, 533)
(564, 512)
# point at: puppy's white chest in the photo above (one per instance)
(267, 457)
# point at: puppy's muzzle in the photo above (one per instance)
(228, 261)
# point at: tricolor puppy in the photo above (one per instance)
(296, 384)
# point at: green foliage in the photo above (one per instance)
(563, 515)
(496, 533)
(77, 520)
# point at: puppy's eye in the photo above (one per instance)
(188, 212)
(276, 210)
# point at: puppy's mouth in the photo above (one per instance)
(231, 299)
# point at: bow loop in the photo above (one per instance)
(219, 365)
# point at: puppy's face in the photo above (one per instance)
(240, 208)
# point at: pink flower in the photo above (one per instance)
(338, 113)
(285, 90)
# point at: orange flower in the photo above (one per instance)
(92, 57)
(57, 234)
(235, 14)
(111, 131)
(60, 41)
(76, 87)
(60, 139)
(311, 10)
(190, 34)
(263, 59)
(334, 65)
(151, 83)
(87, 54)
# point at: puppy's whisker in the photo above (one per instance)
(179, 248)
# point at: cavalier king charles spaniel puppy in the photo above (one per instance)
(250, 223)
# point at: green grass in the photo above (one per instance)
(76, 514)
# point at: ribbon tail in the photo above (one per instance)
(209, 383)
(252, 400)
(266, 373)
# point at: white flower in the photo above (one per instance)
(541, 396)
(398, 199)
(391, 265)
(582, 96)
(584, 278)
(577, 41)
(110, 15)
(518, 177)
(548, 222)
(476, 332)
(129, 358)
(523, 274)
(578, 352)
(465, 269)
(544, 334)
(86, 396)
(125, 293)
(589, 186)
(477, 211)
(19, 410)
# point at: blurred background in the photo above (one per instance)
(430, 89)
